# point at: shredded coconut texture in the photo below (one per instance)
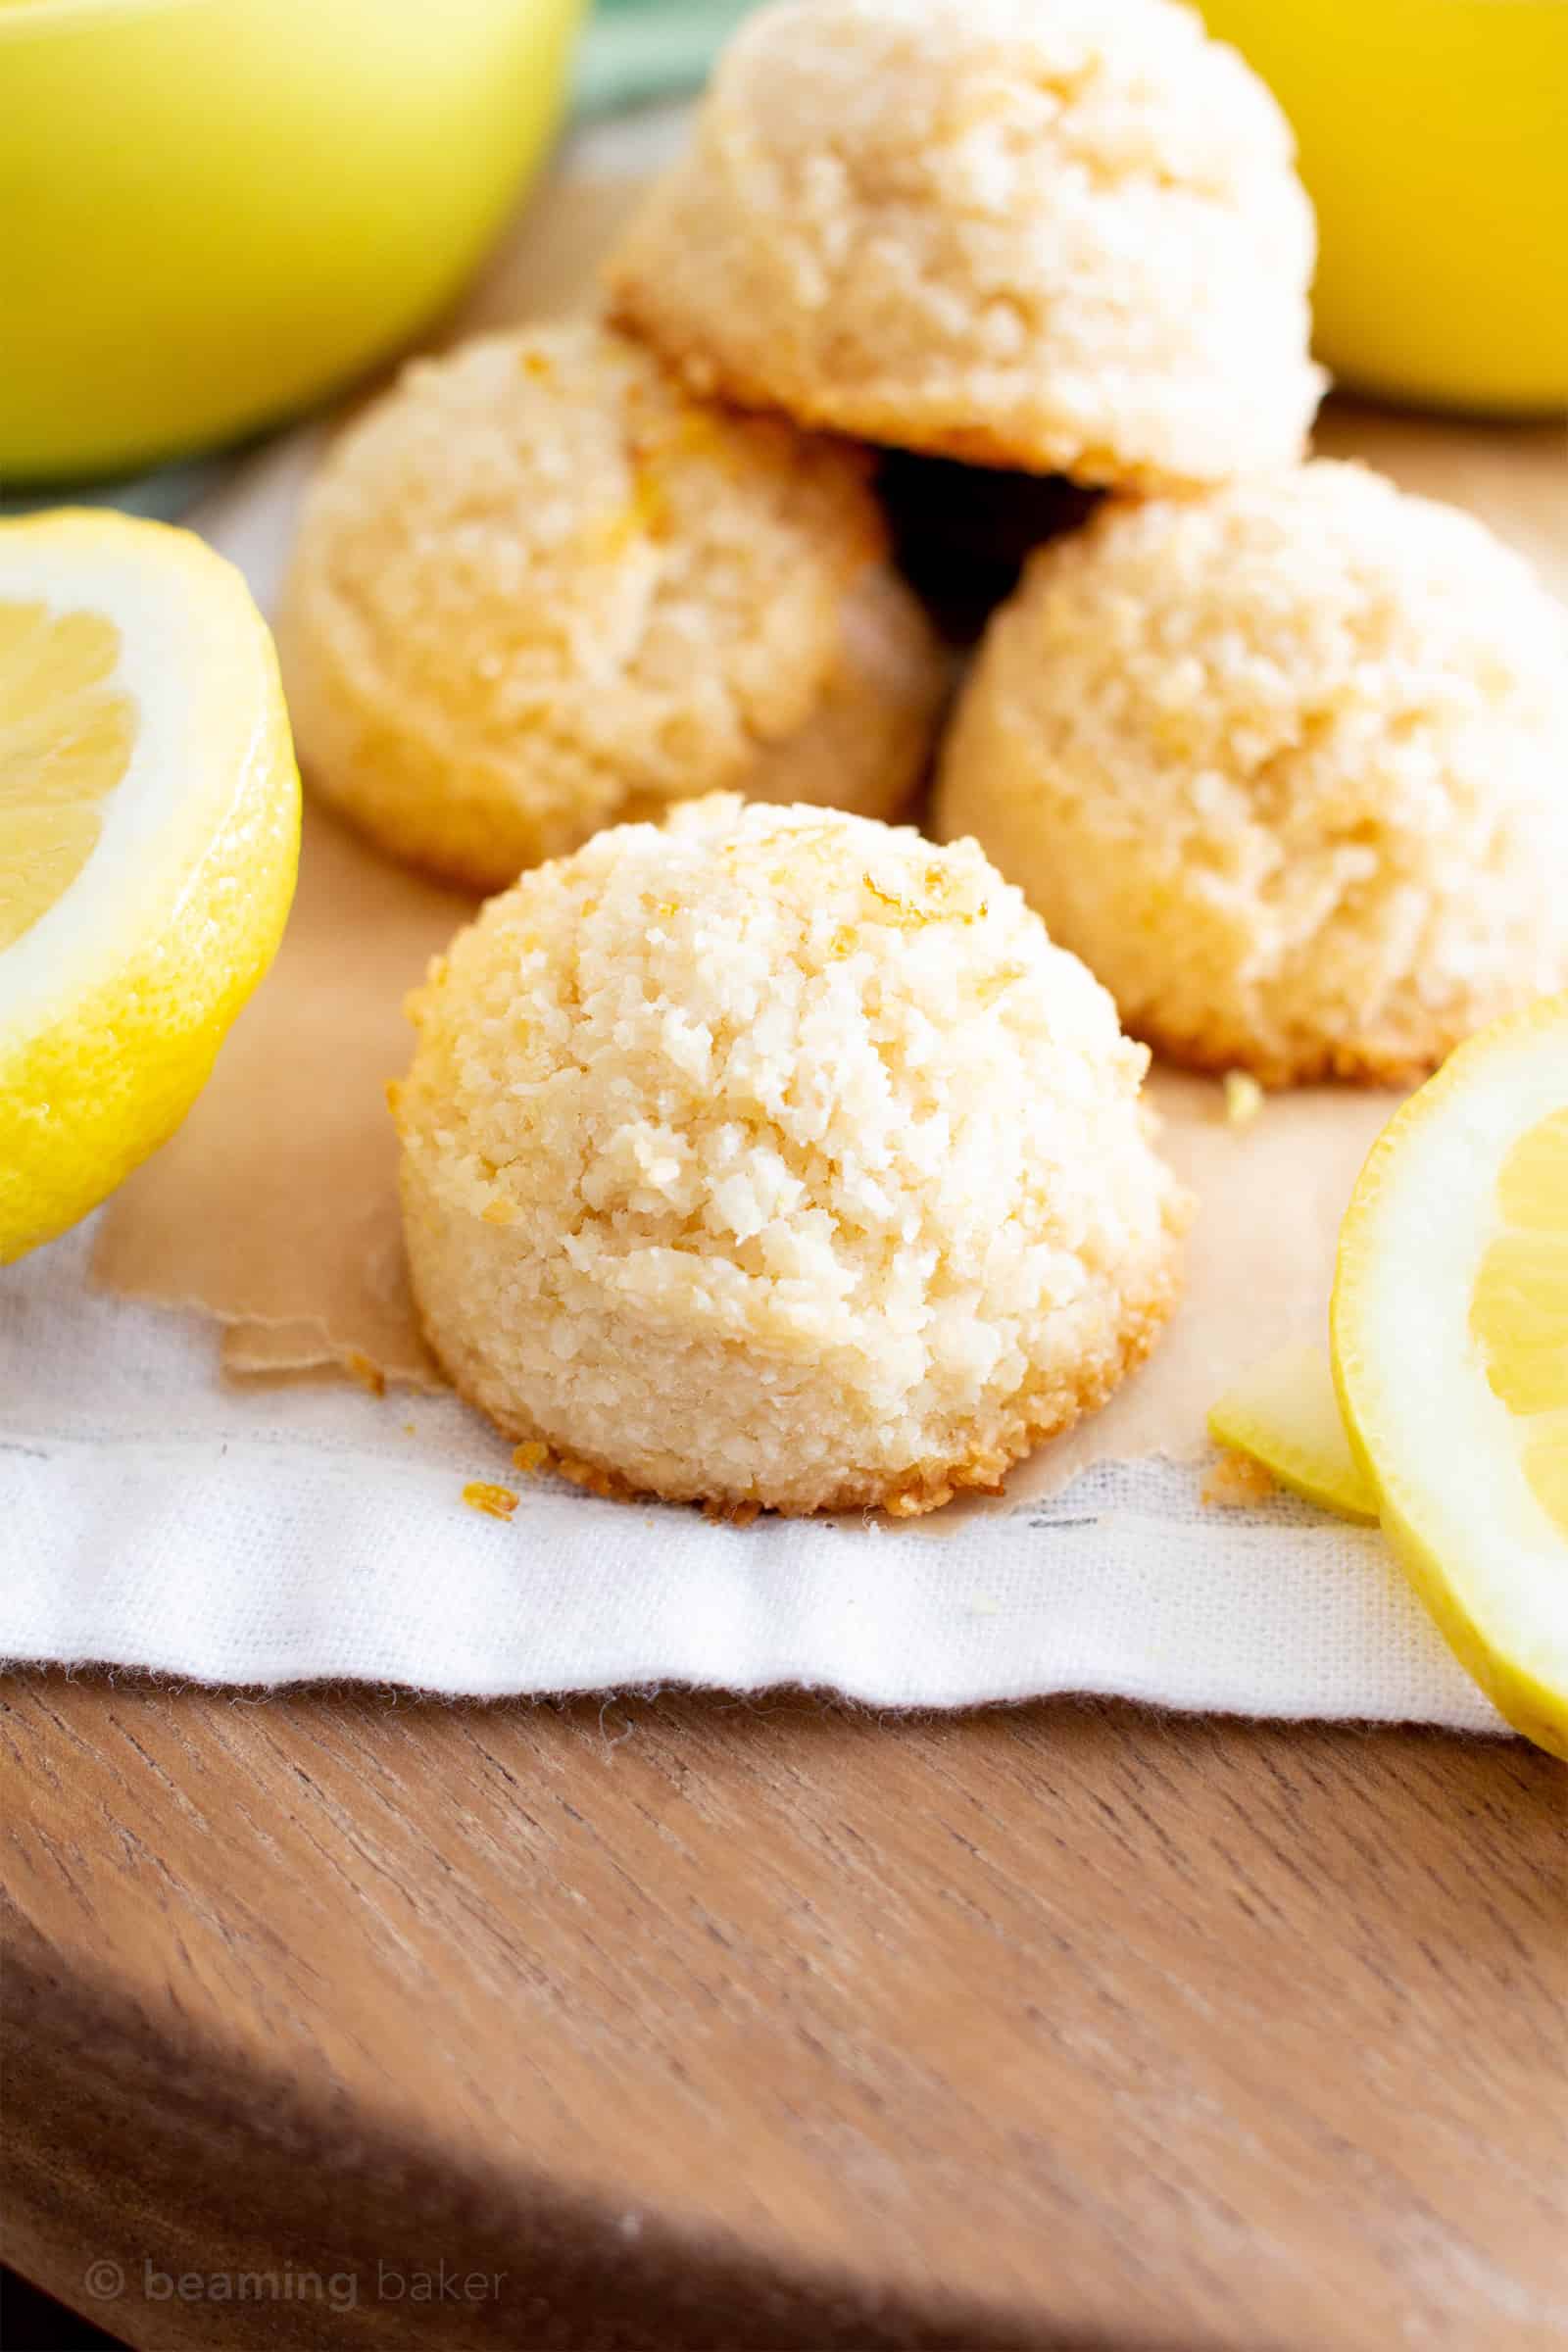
(1287, 766)
(1061, 235)
(538, 588)
(775, 1156)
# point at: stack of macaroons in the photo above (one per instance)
(775, 1156)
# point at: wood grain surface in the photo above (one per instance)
(729, 2026)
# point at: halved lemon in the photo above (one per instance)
(1450, 1355)
(149, 836)
(1285, 1414)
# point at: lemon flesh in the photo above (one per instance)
(1285, 1414)
(1519, 1306)
(65, 737)
(1450, 1355)
(149, 834)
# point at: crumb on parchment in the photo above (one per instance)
(1244, 1097)
(1235, 1481)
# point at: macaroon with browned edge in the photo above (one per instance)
(539, 588)
(1060, 235)
(775, 1157)
(1287, 766)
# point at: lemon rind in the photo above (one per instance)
(1524, 1673)
(114, 1003)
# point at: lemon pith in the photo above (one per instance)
(149, 828)
(1449, 1334)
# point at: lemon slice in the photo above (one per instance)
(1285, 1414)
(1450, 1354)
(149, 833)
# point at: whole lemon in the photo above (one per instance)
(213, 211)
(1434, 140)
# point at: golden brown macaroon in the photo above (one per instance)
(1060, 235)
(537, 587)
(1287, 766)
(774, 1156)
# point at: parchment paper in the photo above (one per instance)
(274, 1208)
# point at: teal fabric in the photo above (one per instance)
(636, 51)
(633, 53)
(165, 494)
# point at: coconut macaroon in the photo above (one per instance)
(1059, 235)
(537, 587)
(775, 1156)
(1287, 766)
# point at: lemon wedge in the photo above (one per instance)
(149, 835)
(1450, 1355)
(1285, 1414)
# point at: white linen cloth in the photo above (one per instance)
(154, 1516)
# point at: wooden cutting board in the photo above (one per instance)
(334, 2018)
(681, 2023)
